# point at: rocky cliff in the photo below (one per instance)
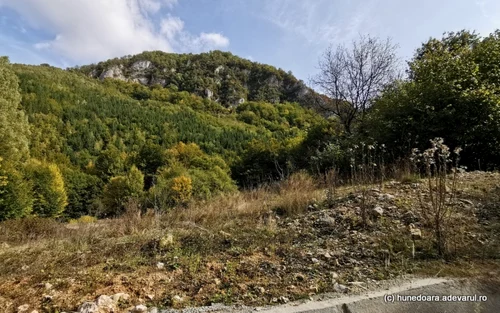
(216, 75)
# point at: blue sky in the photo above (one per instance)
(290, 34)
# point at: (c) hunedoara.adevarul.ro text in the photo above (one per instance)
(391, 298)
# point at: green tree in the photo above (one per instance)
(49, 192)
(120, 189)
(14, 127)
(82, 189)
(15, 193)
(453, 93)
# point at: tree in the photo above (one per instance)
(353, 77)
(452, 93)
(15, 193)
(120, 189)
(49, 192)
(14, 127)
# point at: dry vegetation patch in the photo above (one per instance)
(274, 244)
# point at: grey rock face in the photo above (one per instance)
(141, 65)
(209, 93)
(113, 72)
(141, 80)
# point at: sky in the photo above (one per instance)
(289, 34)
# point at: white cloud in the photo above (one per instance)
(93, 30)
(320, 21)
(211, 40)
(171, 26)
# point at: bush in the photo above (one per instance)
(120, 190)
(85, 219)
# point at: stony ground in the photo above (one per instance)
(274, 259)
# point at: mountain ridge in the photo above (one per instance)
(216, 75)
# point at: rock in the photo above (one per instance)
(141, 65)
(389, 196)
(283, 299)
(334, 275)
(260, 290)
(153, 310)
(217, 281)
(158, 81)
(88, 307)
(325, 222)
(340, 288)
(113, 72)
(34, 311)
(218, 69)
(415, 232)
(150, 297)
(160, 265)
(241, 101)
(378, 211)
(120, 296)
(274, 300)
(177, 298)
(315, 261)
(105, 302)
(23, 308)
(139, 309)
(141, 80)
(48, 286)
(209, 93)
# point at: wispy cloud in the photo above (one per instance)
(320, 21)
(92, 30)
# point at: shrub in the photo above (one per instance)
(120, 190)
(85, 219)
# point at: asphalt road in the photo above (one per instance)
(419, 296)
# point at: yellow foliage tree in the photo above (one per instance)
(49, 193)
(182, 189)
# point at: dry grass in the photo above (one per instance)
(83, 258)
(218, 250)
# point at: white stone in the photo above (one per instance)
(88, 307)
(139, 309)
(105, 302)
(120, 296)
(23, 308)
(160, 265)
(378, 211)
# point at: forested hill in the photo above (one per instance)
(94, 144)
(216, 75)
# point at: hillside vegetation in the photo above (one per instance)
(191, 179)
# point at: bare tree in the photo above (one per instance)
(352, 77)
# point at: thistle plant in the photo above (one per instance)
(366, 167)
(438, 163)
